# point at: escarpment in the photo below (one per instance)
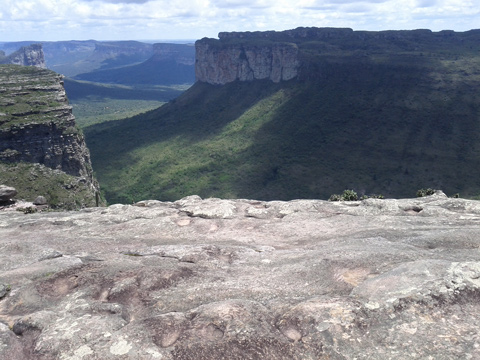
(37, 126)
(285, 55)
(219, 64)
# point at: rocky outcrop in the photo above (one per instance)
(7, 193)
(37, 124)
(57, 144)
(219, 64)
(243, 279)
(31, 55)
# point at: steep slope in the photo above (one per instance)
(37, 127)
(380, 112)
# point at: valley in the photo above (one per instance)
(234, 271)
(113, 80)
(297, 114)
(379, 112)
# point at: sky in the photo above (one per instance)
(55, 20)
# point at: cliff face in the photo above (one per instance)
(26, 56)
(37, 124)
(57, 146)
(285, 55)
(220, 64)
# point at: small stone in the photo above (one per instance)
(40, 200)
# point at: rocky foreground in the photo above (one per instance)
(243, 279)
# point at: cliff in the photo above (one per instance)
(285, 55)
(243, 279)
(220, 64)
(31, 55)
(37, 125)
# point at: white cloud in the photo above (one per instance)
(192, 19)
(426, 3)
(121, 1)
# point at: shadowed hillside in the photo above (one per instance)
(382, 116)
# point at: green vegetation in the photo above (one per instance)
(88, 111)
(372, 196)
(95, 102)
(34, 114)
(379, 116)
(203, 151)
(61, 190)
(27, 96)
(351, 195)
(425, 192)
(347, 195)
(383, 127)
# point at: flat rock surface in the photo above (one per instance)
(243, 279)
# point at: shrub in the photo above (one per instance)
(425, 192)
(335, 197)
(349, 195)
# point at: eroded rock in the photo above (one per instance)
(237, 279)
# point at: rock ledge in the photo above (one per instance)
(243, 279)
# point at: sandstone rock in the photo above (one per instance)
(238, 279)
(7, 193)
(40, 200)
(40, 128)
(218, 63)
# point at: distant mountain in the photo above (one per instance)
(306, 113)
(117, 62)
(31, 55)
(169, 64)
(73, 57)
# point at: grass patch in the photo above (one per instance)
(89, 111)
(94, 103)
(60, 189)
